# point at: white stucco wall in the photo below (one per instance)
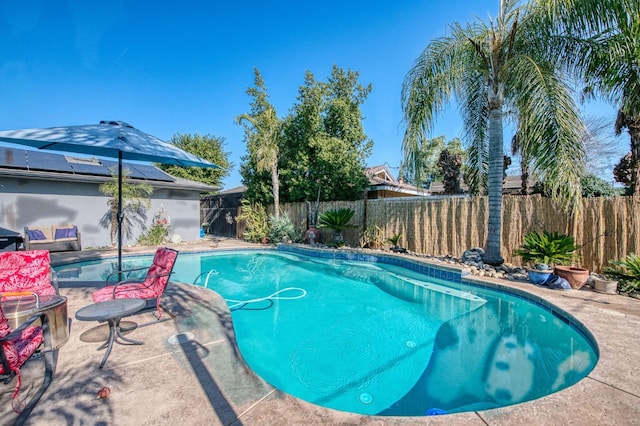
(25, 202)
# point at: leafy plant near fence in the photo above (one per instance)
(156, 235)
(282, 228)
(338, 220)
(626, 271)
(255, 217)
(395, 239)
(547, 247)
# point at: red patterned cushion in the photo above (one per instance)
(163, 263)
(18, 350)
(124, 291)
(152, 286)
(26, 270)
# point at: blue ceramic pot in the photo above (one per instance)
(539, 277)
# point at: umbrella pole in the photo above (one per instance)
(119, 215)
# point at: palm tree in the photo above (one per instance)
(135, 202)
(491, 68)
(600, 41)
(267, 126)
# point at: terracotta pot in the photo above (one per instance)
(312, 235)
(577, 277)
(602, 285)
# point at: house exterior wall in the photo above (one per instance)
(26, 202)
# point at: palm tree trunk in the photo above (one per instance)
(524, 167)
(492, 254)
(275, 182)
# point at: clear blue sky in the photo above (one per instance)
(183, 67)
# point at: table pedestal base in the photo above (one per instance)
(114, 335)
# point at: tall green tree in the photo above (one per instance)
(265, 150)
(600, 41)
(326, 147)
(421, 167)
(210, 148)
(322, 144)
(135, 202)
(490, 68)
(262, 136)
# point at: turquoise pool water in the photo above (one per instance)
(374, 338)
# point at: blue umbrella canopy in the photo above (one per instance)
(113, 139)
(107, 139)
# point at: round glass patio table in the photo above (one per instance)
(112, 311)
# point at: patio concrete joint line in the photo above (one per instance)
(613, 387)
(252, 406)
(481, 418)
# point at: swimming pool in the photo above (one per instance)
(377, 338)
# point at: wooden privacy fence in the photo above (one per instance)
(608, 228)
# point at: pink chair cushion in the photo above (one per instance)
(152, 286)
(18, 349)
(21, 347)
(26, 271)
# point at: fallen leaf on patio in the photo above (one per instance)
(104, 392)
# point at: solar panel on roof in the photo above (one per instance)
(39, 160)
(12, 157)
(97, 169)
(46, 161)
(153, 173)
(133, 173)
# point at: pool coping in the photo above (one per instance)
(608, 395)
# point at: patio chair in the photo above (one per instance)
(151, 287)
(27, 271)
(16, 348)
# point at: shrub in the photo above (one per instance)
(547, 247)
(281, 228)
(338, 220)
(395, 239)
(593, 186)
(255, 216)
(626, 271)
(156, 235)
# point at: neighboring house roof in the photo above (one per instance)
(237, 190)
(511, 185)
(50, 166)
(381, 179)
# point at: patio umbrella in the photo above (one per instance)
(113, 139)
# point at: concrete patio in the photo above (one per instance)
(190, 371)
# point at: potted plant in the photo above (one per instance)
(552, 248)
(627, 272)
(338, 220)
(605, 284)
(395, 241)
(540, 273)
